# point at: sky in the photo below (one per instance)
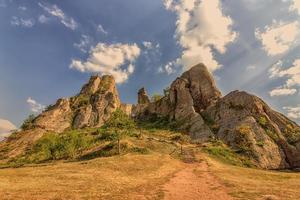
(48, 49)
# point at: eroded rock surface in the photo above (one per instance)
(250, 126)
(243, 121)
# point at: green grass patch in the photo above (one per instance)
(225, 154)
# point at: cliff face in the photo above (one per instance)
(243, 121)
(189, 94)
(90, 108)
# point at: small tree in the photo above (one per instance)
(120, 124)
(181, 139)
(28, 122)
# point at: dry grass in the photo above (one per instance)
(254, 184)
(122, 177)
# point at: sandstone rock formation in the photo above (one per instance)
(188, 95)
(90, 108)
(243, 121)
(249, 125)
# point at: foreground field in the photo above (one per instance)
(151, 176)
(254, 184)
(125, 177)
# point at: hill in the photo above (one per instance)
(192, 105)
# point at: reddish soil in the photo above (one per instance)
(195, 182)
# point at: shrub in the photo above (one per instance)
(54, 147)
(262, 121)
(28, 122)
(292, 134)
(227, 155)
(163, 123)
(272, 135)
(119, 125)
(260, 143)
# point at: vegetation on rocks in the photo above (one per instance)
(28, 122)
(217, 149)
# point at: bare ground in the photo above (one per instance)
(195, 182)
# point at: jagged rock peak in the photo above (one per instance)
(91, 86)
(202, 86)
(98, 84)
(143, 98)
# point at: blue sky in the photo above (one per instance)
(48, 49)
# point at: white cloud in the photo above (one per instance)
(43, 19)
(291, 74)
(282, 92)
(27, 23)
(295, 6)
(5, 128)
(201, 27)
(35, 106)
(23, 8)
(101, 29)
(279, 37)
(169, 68)
(110, 59)
(53, 10)
(149, 45)
(84, 43)
(293, 112)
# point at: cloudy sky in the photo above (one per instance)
(48, 49)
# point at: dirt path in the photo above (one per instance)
(195, 183)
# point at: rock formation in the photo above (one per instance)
(194, 91)
(242, 121)
(90, 108)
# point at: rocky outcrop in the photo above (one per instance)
(143, 97)
(90, 108)
(201, 86)
(95, 103)
(251, 127)
(57, 118)
(243, 121)
(192, 92)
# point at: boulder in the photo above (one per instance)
(250, 126)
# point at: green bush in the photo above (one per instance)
(54, 147)
(260, 143)
(220, 151)
(28, 122)
(263, 122)
(163, 123)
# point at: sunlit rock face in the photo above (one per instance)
(241, 120)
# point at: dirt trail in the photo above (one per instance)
(195, 182)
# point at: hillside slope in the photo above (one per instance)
(241, 120)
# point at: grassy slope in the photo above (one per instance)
(253, 184)
(134, 175)
(126, 176)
